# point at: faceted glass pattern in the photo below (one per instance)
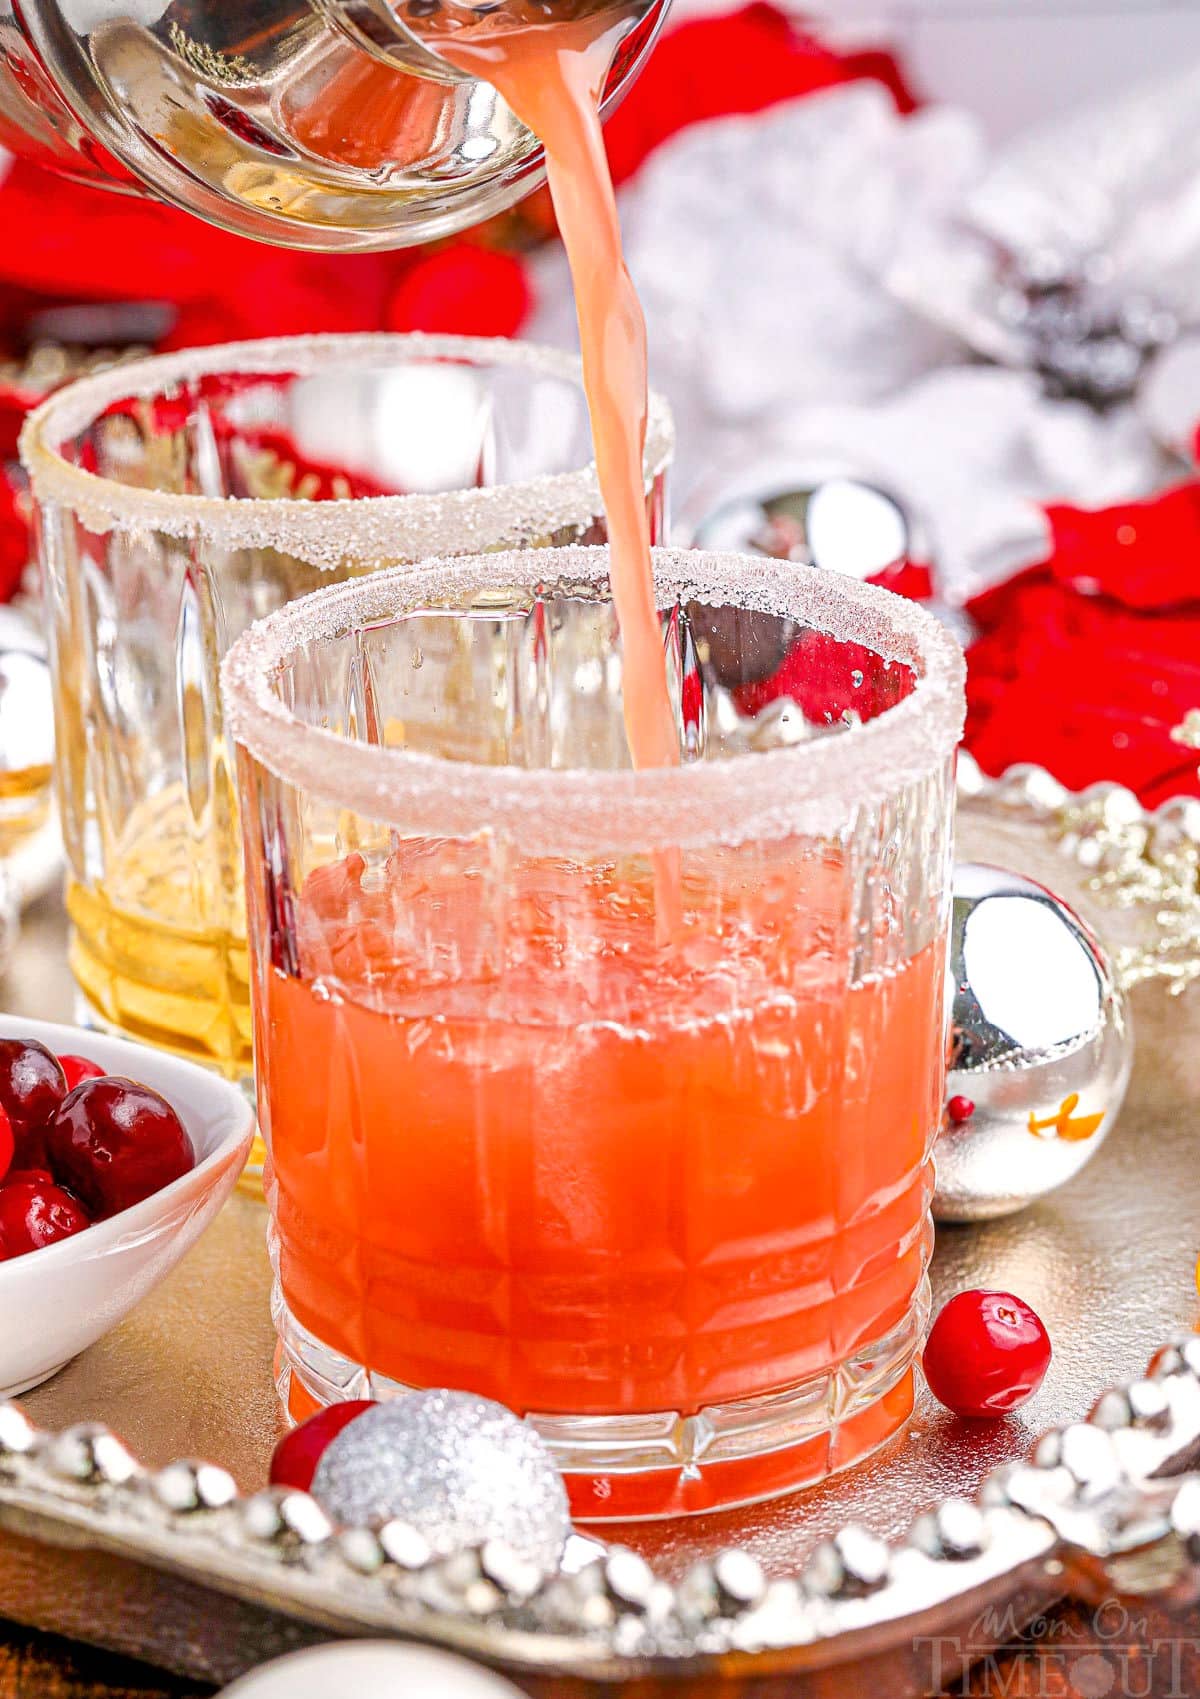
(665, 1191)
(181, 498)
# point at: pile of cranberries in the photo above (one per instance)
(76, 1145)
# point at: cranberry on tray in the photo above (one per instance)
(986, 1355)
(114, 1142)
(295, 1459)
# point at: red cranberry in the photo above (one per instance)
(960, 1109)
(34, 1213)
(32, 1085)
(8, 1144)
(26, 1176)
(114, 1142)
(295, 1460)
(79, 1068)
(987, 1353)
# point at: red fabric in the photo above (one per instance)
(15, 402)
(1141, 552)
(14, 540)
(743, 62)
(89, 245)
(464, 285)
(911, 578)
(1085, 663)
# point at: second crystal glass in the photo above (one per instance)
(181, 497)
(609, 1095)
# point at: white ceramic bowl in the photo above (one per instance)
(57, 1301)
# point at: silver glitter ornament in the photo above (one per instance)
(1040, 1047)
(460, 1470)
(821, 512)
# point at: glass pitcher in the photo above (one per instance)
(326, 124)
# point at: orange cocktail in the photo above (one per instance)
(667, 1196)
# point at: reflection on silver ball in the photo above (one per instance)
(821, 512)
(1041, 1047)
(460, 1469)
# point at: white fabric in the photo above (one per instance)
(820, 279)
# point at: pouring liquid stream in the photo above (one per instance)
(552, 75)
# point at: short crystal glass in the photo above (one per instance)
(606, 1094)
(181, 497)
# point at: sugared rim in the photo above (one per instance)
(809, 787)
(323, 533)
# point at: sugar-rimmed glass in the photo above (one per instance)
(181, 497)
(669, 1198)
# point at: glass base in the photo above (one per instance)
(644, 1467)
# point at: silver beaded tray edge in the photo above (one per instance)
(174, 1563)
(1102, 1507)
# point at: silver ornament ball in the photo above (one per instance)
(1040, 1047)
(821, 511)
(459, 1469)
